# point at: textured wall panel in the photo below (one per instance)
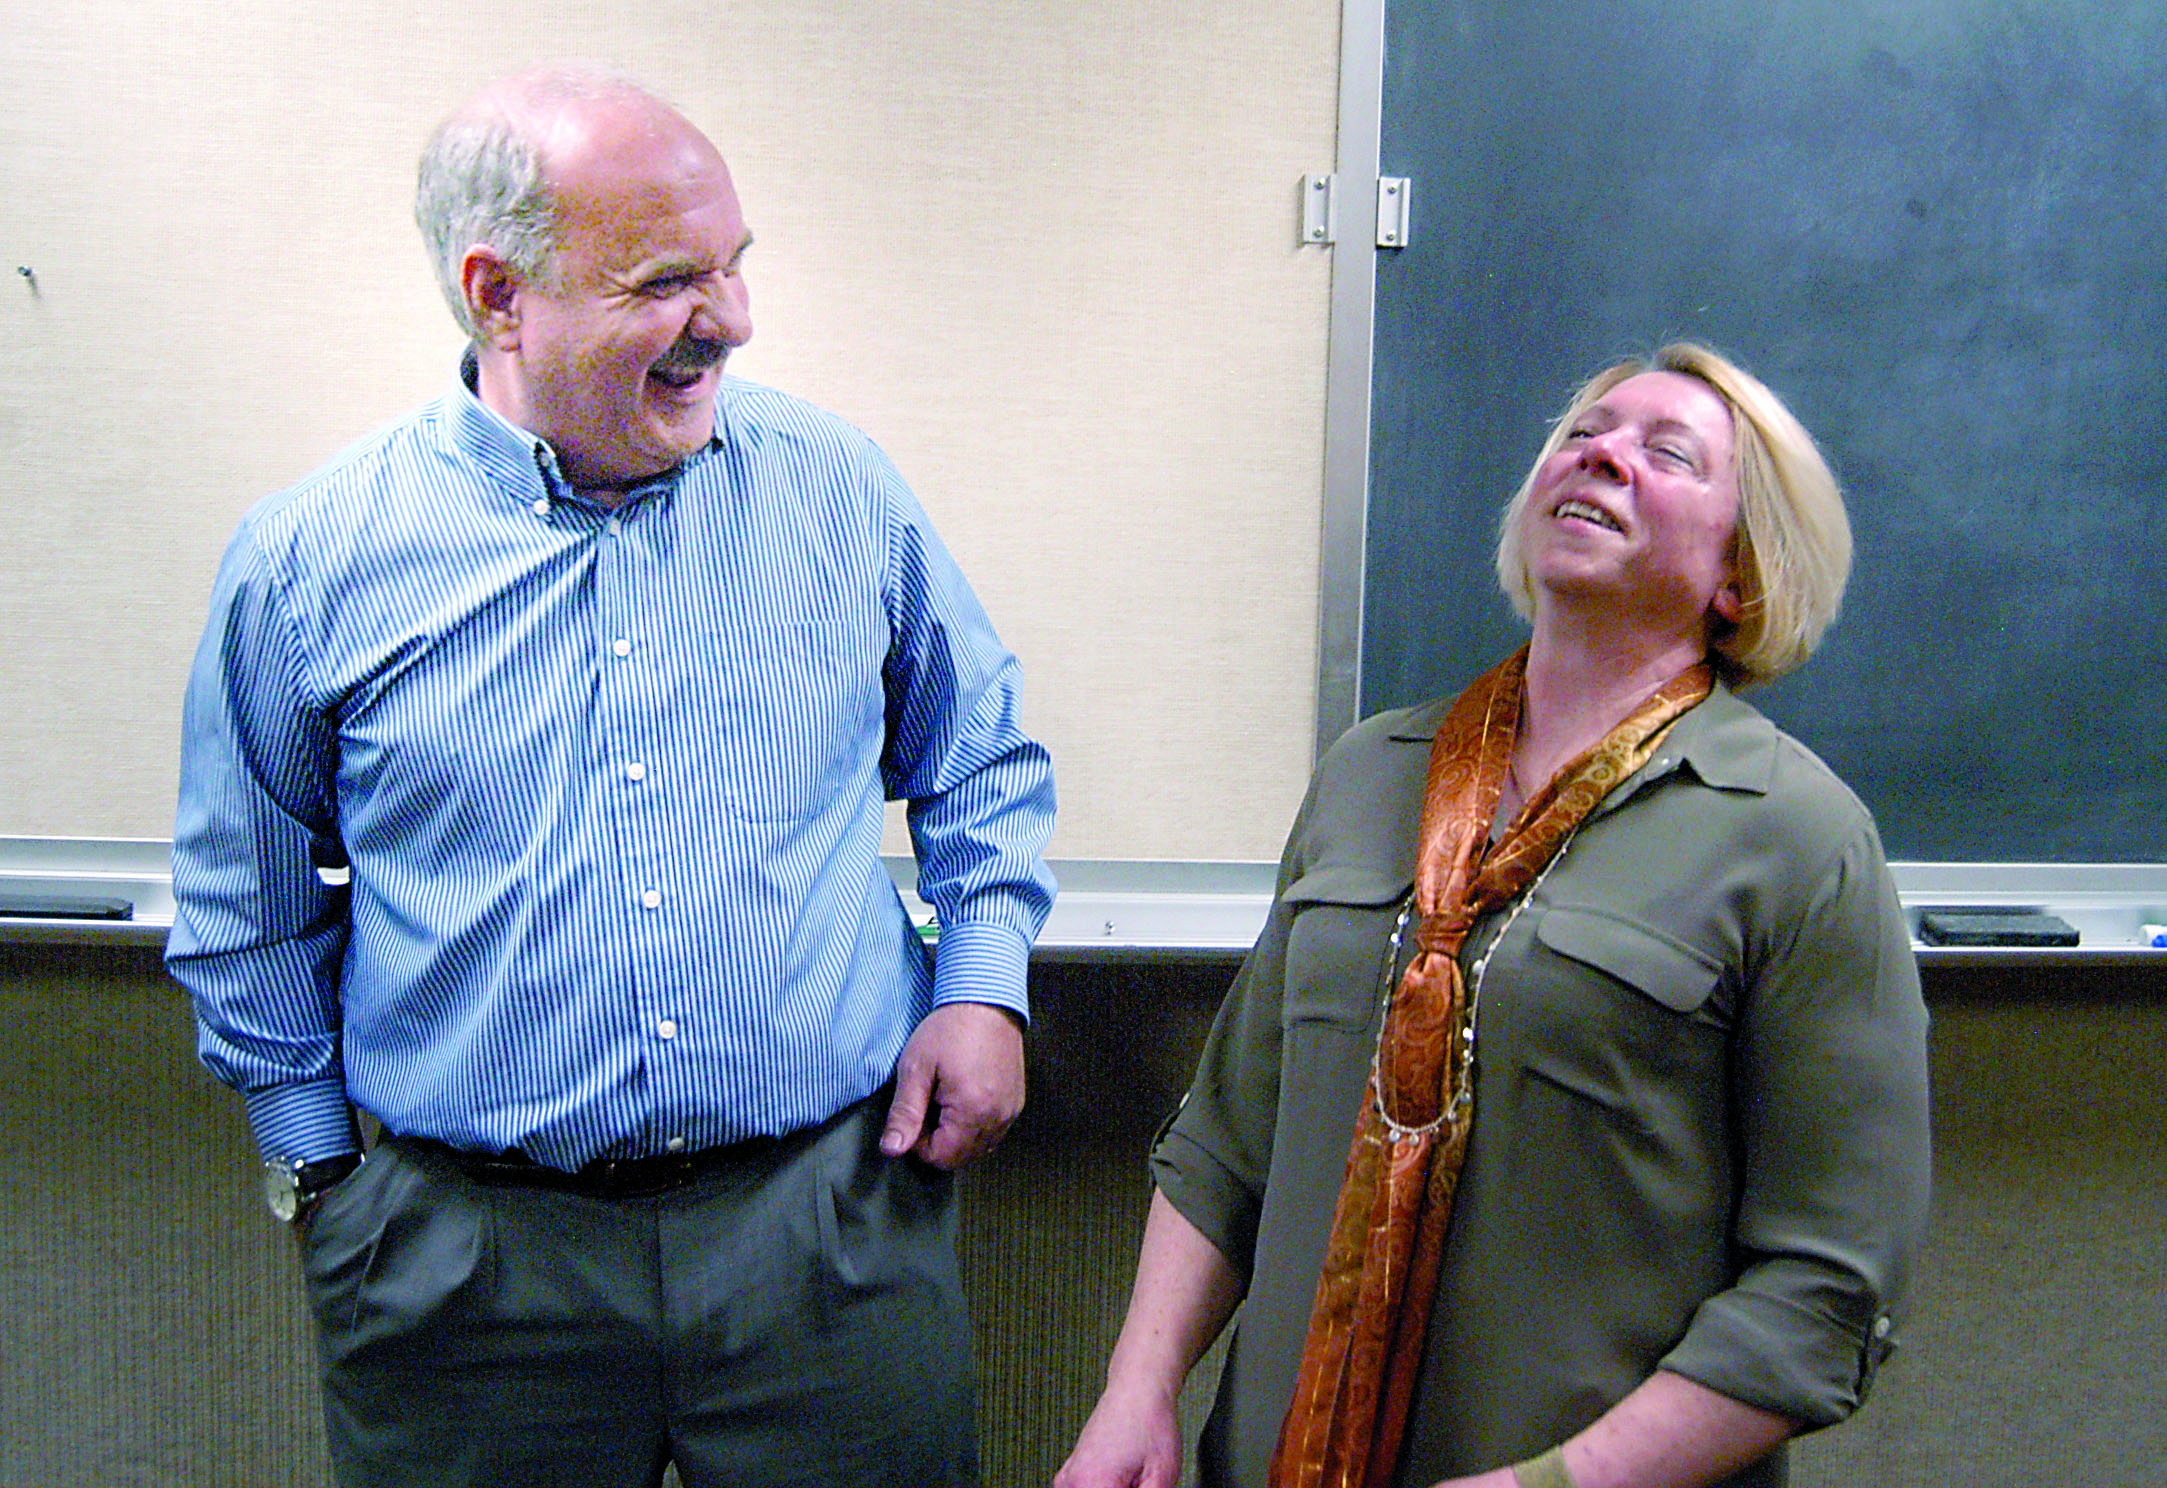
(1046, 254)
(151, 1328)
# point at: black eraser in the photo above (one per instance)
(65, 906)
(1996, 927)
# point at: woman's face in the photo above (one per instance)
(1633, 519)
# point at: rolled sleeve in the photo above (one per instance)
(1213, 1158)
(1209, 1195)
(1833, 1113)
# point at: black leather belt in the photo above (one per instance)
(605, 1178)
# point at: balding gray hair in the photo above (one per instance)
(482, 181)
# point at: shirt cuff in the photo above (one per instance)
(981, 962)
(305, 1122)
(1772, 1353)
(1210, 1198)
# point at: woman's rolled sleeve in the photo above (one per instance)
(1830, 1076)
(1213, 1156)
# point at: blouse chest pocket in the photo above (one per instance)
(1667, 971)
(1615, 1010)
(1337, 943)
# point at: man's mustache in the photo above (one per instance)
(690, 355)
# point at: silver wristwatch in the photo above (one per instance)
(292, 1187)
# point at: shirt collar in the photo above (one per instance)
(1729, 744)
(523, 461)
(1726, 743)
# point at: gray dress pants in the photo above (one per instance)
(794, 1318)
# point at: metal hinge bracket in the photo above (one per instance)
(1393, 218)
(1320, 211)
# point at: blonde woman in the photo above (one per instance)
(1568, 1122)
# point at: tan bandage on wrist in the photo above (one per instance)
(1546, 1471)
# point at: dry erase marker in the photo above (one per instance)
(2155, 935)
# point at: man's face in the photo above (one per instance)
(614, 356)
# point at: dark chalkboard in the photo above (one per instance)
(1939, 229)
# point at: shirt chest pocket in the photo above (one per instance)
(1615, 1009)
(1337, 944)
(796, 718)
(1667, 971)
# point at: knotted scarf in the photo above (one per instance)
(1372, 1309)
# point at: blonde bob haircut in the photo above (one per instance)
(1793, 546)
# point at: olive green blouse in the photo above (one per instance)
(1700, 1135)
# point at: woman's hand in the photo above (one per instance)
(1185, 1292)
(1127, 1443)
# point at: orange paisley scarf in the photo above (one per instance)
(1372, 1309)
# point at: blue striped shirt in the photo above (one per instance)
(608, 785)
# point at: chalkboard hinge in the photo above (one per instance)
(1393, 193)
(1320, 211)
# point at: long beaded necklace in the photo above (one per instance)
(1463, 1057)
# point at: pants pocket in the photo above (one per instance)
(392, 1263)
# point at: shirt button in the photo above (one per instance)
(675, 1144)
(636, 770)
(615, 526)
(541, 506)
(667, 1028)
(652, 898)
(1882, 1326)
(621, 646)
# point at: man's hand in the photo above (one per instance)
(958, 1085)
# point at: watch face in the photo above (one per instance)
(281, 1189)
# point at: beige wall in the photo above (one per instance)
(1045, 253)
(152, 1332)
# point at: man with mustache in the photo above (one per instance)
(532, 793)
